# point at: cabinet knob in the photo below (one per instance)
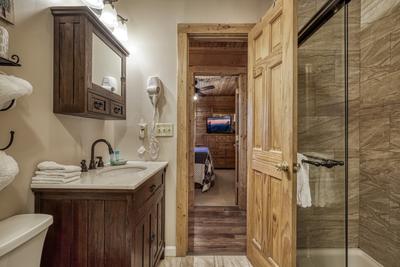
(153, 188)
(118, 110)
(152, 237)
(98, 104)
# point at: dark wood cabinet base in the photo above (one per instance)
(105, 228)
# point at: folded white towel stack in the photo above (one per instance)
(51, 172)
(54, 166)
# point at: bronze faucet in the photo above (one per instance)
(92, 164)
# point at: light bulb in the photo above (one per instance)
(96, 4)
(195, 97)
(109, 16)
(121, 31)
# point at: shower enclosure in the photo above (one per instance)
(349, 131)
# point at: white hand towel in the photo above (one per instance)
(326, 194)
(8, 169)
(45, 180)
(12, 87)
(55, 174)
(55, 167)
(303, 183)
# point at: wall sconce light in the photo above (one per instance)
(109, 15)
(121, 31)
(95, 4)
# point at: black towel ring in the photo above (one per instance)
(10, 142)
(9, 106)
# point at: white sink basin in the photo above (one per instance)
(122, 171)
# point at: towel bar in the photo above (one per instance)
(9, 106)
(321, 162)
(10, 142)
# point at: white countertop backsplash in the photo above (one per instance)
(112, 177)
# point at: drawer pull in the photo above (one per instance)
(98, 104)
(118, 110)
(153, 188)
(152, 237)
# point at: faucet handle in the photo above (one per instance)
(100, 163)
(84, 166)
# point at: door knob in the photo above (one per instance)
(283, 167)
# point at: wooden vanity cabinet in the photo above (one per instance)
(105, 228)
(78, 34)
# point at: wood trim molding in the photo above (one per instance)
(220, 29)
(182, 183)
(183, 119)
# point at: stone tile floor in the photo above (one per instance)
(206, 261)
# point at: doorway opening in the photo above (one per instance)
(215, 149)
(217, 175)
(212, 139)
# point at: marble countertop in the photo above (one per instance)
(126, 177)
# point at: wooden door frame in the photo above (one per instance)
(183, 120)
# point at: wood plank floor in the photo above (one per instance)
(223, 193)
(217, 231)
(206, 261)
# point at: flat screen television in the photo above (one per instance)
(221, 124)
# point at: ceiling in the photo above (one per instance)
(224, 85)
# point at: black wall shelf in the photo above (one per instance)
(13, 62)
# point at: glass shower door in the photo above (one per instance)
(321, 211)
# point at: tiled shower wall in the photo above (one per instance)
(374, 79)
(380, 131)
(322, 127)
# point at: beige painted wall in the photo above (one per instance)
(153, 47)
(41, 135)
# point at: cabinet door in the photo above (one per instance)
(142, 243)
(156, 230)
(160, 224)
(153, 235)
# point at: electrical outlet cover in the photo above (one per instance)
(164, 129)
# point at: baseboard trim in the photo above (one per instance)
(170, 251)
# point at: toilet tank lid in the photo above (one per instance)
(18, 229)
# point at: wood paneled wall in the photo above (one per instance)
(222, 146)
(218, 57)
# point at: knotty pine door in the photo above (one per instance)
(272, 134)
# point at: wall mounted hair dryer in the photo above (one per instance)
(154, 90)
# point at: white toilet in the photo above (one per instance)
(22, 238)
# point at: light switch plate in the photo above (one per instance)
(164, 129)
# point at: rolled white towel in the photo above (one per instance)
(54, 174)
(12, 87)
(51, 166)
(303, 183)
(8, 169)
(46, 180)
